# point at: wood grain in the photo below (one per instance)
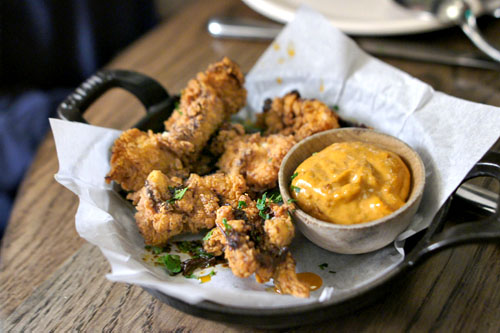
(51, 280)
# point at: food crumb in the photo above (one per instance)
(291, 49)
(279, 80)
(276, 46)
(281, 60)
(321, 86)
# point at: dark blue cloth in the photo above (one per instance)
(47, 48)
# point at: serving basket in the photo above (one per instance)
(459, 221)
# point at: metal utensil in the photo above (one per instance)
(459, 12)
(241, 28)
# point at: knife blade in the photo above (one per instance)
(248, 29)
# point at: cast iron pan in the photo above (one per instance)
(485, 227)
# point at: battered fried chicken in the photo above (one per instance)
(135, 154)
(206, 102)
(255, 157)
(292, 115)
(254, 239)
(168, 206)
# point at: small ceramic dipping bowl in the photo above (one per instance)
(361, 237)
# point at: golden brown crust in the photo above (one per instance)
(135, 154)
(292, 115)
(161, 216)
(252, 244)
(257, 158)
(206, 102)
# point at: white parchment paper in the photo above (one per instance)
(316, 59)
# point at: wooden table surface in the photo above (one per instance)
(52, 280)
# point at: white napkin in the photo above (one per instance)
(319, 61)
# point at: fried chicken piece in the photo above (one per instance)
(206, 102)
(255, 157)
(286, 281)
(292, 115)
(228, 132)
(255, 241)
(168, 206)
(135, 154)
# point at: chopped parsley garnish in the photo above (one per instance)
(241, 204)
(323, 265)
(178, 194)
(336, 107)
(212, 273)
(294, 175)
(291, 200)
(261, 203)
(226, 226)
(157, 249)
(276, 197)
(264, 215)
(191, 276)
(333, 272)
(171, 263)
(295, 188)
(208, 235)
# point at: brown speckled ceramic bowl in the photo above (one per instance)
(362, 237)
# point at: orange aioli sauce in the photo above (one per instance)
(314, 281)
(351, 182)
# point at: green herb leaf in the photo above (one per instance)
(226, 226)
(276, 197)
(180, 193)
(336, 107)
(176, 105)
(291, 200)
(192, 276)
(157, 249)
(333, 272)
(212, 273)
(208, 235)
(261, 203)
(294, 175)
(241, 204)
(295, 188)
(171, 262)
(264, 215)
(323, 265)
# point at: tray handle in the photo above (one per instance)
(152, 95)
(485, 230)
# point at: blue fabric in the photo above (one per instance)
(47, 47)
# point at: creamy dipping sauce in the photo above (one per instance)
(351, 182)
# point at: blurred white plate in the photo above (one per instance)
(354, 17)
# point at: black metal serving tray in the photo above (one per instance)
(474, 223)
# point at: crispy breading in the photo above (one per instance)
(206, 102)
(257, 158)
(255, 241)
(135, 154)
(292, 115)
(168, 206)
(228, 132)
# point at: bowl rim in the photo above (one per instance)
(415, 194)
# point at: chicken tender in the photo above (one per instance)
(168, 206)
(292, 115)
(206, 102)
(135, 154)
(257, 158)
(254, 239)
